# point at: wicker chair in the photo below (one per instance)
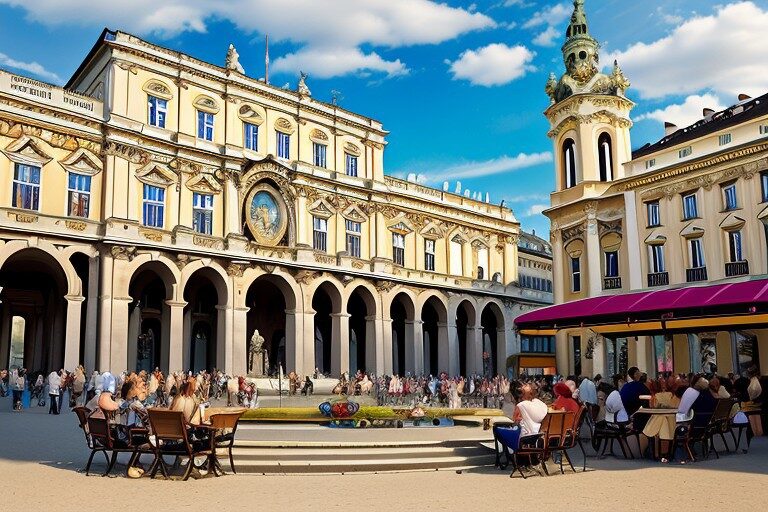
(225, 427)
(93, 445)
(171, 438)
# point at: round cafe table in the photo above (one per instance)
(661, 424)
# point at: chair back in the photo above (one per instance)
(168, 425)
(98, 429)
(557, 426)
(82, 417)
(508, 436)
(226, 420)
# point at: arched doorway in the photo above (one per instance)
(494, 346)
(268, 303)
(201, 320)
(33, 312)
(361, 308)
(148, 319)
(465, 319)
(401, 311)
(326, 302)
(431, 318)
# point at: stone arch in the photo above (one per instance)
(402, 312)
(433, 313)
(11, 248)
(465, 315)
(325, 297)
(494, 336)
(605, 152)
(363, 306)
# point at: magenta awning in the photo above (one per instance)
(742, 298)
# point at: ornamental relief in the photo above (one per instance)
(126, 152)
(573, 233)
(266, 214)
(204, 183)
(602, 116)
(605, 227)
(16, 130)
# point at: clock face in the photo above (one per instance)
(266, 215)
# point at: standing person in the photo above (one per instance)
(19, 384)
(63, 385)
(54, 391)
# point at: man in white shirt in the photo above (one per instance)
(530, 411)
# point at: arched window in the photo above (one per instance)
(569, 162)
(605, 157)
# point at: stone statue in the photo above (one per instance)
(233, 60)
(256, 354)
(303, 89)
(551, 87)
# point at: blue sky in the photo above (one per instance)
(458, 84)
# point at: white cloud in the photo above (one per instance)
(328, 62)
(30, 67)
(549, 16)
(488, 167)
(495, 64)
(686, 113)
(535, 209)
(547, 38)
(340, 24)
(723, 52)
(525, 198)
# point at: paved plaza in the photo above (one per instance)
(41, 455)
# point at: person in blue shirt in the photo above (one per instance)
(630, 396)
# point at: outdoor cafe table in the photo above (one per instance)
(662, 423)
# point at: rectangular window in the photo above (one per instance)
(157, 109)
(79, 194)
(685, 152)
(611, 264)
(26, 187)
(251, 134)
(202, 213)
(697, 253)
(730, 201)
(657, 259)
(650, 163)
(398, 249)
(576, 343)
(283, 145)
(734, 246)
(724, 139)
(204, 125)
(350, 164)
(764, 129)
(353, 238)
(653, 209)
(764, 185)
(154, 206)
(690, 211)
(318, 154)
(575, 275)
(320, 234)
(429, 255)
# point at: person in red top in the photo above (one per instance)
(564, 400)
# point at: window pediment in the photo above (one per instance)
(575, 249)
(352, 149)
(156, 174)
(611, 242)
(251, 114)
(431, 231)
(732, 222)
(206, 104)
(283, 125)
(322, 208)
(763, 215)
(82, 161)
(656, 238)
(354, 214)
(204, 183)
(318, 136)
(158, 89)
(28, 151)
(692, 231)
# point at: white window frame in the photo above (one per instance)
(350, 164)
(157, 113)
(34, 186)
(398, 249)
(320, 234)
(696, 253)
(653, 212)
(735, 246)
(657, 263)
(429, 255)
(319, 155)
(726, 189)
(685, 152)
(724, 139)
(156, 204)
(575, 274)
(686, 215)
(606, 256)
(354, 238)
(650, 163)
(283, 141)
(80, 192)
(250, 141)
(202, 206)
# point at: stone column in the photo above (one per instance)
(414, 346)
(598, 355)
(474, 350)
(72, 336)
(176, 336)
(386, 331)
(594, 268)
(223, 337)
(239, 339)
(231, 212)
(562, 354)
(374, 353)
(91, 315)
(339, 343)
(103, 359)
(294, 333)
(117, 356)
(558, 282)
(447, 348)
(186, 341)
(630, 232)
(502, 350)
(307, 339)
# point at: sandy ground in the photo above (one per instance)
(40, 456)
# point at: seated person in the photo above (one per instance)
(309, 387)
(704, 405)
(687, 398)
(530, 411)
(564, 400)
(615, 412)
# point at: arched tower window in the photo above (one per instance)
(569, 162)
(605, 157)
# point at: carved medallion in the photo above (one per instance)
(266, 215)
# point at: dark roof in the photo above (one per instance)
(543, 247)
(741, 112)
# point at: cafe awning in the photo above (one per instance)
(718, 305)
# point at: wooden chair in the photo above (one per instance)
(606, 433)
(540, 446)
(572, 437)
(171, 438)
(93, 445)
(225, 427)
(719, 424)
(103, 432)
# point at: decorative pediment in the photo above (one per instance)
(321, 208)
(692, 231)
(400, 228)
(156, 174)
(206, 104)
(611, 242)
(28, 151)
(431, 231)
(318, 136)
(352, 149)
(284, 125)
(732, 222)
(250, 114)
(355, 214)
(459, 238)
(82, 161)
(204, 183)
(656, 238)
(158, 89)
(480, 243)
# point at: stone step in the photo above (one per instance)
(355, 454)
(362, 465)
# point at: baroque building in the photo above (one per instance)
(158, 210)
(660, 253)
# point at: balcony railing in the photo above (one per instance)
(696, 274)
(658, 279)
(611, 283)
(736, 268)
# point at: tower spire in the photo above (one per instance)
(580, 50)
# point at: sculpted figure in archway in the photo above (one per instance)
(256, 354)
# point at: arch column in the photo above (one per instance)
(174, 360)
(503, 348)
(339, 342)
(414, 346)
(238, 337)
(474, 350)
(562, 354)
(307, 359)
(117, 347)
(388, 363)
(374, 354)
(91, 315)
(223, 336)
(72, 333)
(447, 348)
(294, 350)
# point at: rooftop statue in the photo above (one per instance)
(303, 89)
(233, 60)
